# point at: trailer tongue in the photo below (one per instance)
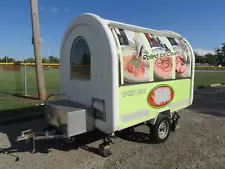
(66, 119)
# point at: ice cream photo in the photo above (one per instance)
(182, 59)
(162, 62)
(133, 45)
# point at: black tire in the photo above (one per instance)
(154, 134)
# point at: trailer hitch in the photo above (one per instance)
(26, 135)
(29, 135)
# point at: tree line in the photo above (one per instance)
(50, 59)
(218, 58)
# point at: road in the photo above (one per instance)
(198, 143)
(209, 101)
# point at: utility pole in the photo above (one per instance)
(37, 51)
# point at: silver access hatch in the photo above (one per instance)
(69, 117)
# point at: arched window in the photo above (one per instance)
(80, 59)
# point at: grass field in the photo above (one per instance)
(207, 78)
(13, 83)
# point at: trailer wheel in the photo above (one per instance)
(161, 130)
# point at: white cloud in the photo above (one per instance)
(203, 52)
(54, 9)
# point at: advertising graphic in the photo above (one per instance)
(133, 45)
(140, 50)
(160, 96)
(162, 57)
(182, 59)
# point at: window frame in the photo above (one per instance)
(86, 78)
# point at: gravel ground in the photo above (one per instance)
(198, 143)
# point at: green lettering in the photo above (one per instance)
(145, 57)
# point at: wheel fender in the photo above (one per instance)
(164, 112)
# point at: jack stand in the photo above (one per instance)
(104, 147)
(174, 119)
(34, 146)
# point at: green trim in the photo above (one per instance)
(162, 81)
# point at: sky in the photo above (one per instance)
(201, 22)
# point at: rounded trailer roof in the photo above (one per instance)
(93, 19)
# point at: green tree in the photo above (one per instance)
(211, 59)
(17, 62)
(8, 59)
(196, 57)
(199, 59)
(220, 55)
(45, 60)
(30, 60)
(53, 59)
(11, 60)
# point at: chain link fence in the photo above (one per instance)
(21, 79)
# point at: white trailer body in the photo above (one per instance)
(100, 88)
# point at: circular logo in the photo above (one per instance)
(160, 96)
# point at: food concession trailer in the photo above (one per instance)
(114, 76)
